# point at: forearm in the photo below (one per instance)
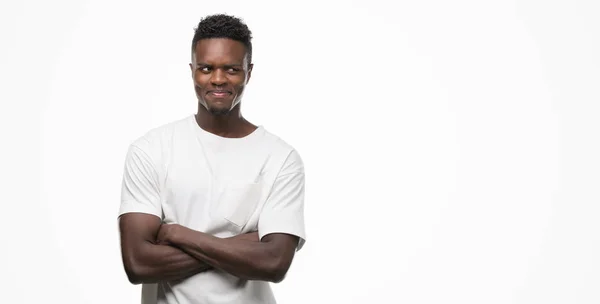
(157, 263)
(246, 259)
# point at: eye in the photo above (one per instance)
(204, 69)
(233, 70)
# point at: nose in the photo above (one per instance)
(218, 77)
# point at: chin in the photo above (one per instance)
(219, 111)
(216, 108)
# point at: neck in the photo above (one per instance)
(232, 124)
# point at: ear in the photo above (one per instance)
(192, 70)
(250, 67)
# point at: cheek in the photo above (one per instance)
(200, 79)
(239, 88)
(238, 83)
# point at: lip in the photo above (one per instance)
(219, 93)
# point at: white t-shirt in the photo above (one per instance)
(221, 186)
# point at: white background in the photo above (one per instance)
(451, 147)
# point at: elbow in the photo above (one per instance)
(134, 280)
(134, 274)
(277, 270)
(278, 277)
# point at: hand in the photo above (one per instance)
(167, 233)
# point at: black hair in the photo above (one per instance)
(223, 26)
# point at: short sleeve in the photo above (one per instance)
(140, 187)
(283, 211)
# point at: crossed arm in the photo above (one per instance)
(154, 252)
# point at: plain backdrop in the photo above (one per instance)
(451, 147)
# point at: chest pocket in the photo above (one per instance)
(235, 202)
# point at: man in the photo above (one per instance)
(212, 206)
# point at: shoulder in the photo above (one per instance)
(155, 143)
(293, 162)
(161, 135)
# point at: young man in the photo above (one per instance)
(212, 206)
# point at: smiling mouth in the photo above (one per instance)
(219, 94)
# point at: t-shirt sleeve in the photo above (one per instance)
(283, 211)
(140, 187)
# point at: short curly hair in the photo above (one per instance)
(223, 26)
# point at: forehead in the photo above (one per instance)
(219, 50)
